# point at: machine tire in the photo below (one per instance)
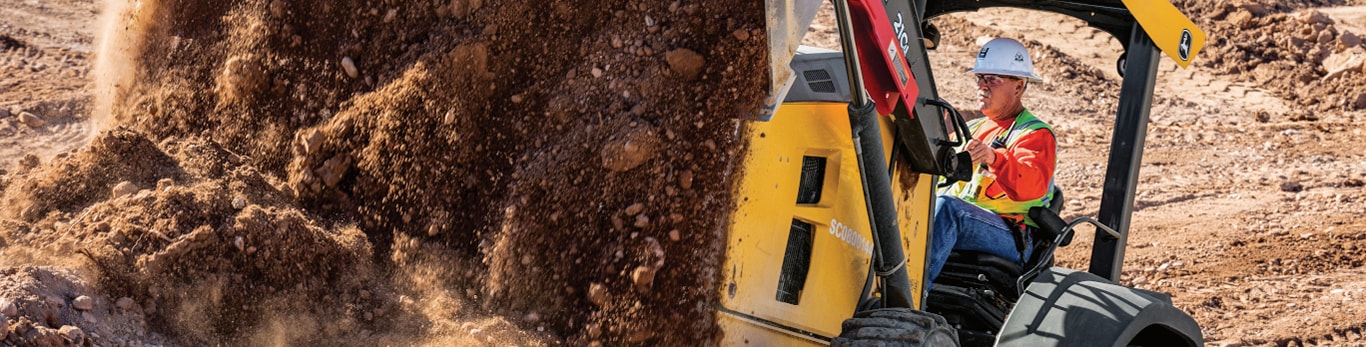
(896, 327)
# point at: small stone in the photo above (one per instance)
(673, 235)
(634, 209)
(73, 334)
(643, 277)
(741, 34)
(1346, 40)
(630, 149)
(532, 317)
(123, 189)
(1241, 19)
(389, 17)
(125, 303)
(596, 72)
(597, 294)
(312, 141)
(8, 308)
(31, 120)
(642, 221)
(83, 303)
(517, 99)
(1254, 8)
(239, 202)
(1315, 17)
(594, 330)
(4, 112)
(350, 67)
(685, 63)
(1292, 186)
(163, 184)
(239, 243)
(685, 179)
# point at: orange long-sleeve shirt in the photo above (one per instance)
(1022, 171)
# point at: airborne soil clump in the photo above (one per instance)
(369, 173)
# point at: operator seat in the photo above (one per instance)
(975, 291)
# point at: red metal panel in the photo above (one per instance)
(885, 72)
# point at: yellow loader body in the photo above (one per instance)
(832, 253)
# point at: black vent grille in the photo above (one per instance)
(819, 81)
(813, 179)
(816, 75)
(796, 262)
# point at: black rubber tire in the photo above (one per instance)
(896, 327)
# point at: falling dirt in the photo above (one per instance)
(279, 172)
(466, 172)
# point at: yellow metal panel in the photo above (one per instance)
(842, 240)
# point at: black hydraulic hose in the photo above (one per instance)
(889, 259)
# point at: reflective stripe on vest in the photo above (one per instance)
(975, 190)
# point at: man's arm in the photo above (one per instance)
(1023, 171)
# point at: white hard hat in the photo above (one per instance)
(1003, 56)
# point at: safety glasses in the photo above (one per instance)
(993, 79)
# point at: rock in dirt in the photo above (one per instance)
(1292, 186)
(685, 63)
(1346, 62)
(1253, 7)
(685, 180)
(1360, 101)
(8, 308)
(349, 67)
(73, 334)
(634, 209)
(643, 277)
(1347, 40)
(125, 303)
(31, 120)
(312, 140)
(123, 189)
(1241, 19)
(1315, 17)
(83, 303)
(630, 149)
(4, 112)
(332, 170)
(242, 75)
(597, 294)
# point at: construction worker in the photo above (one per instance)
(1013, 157)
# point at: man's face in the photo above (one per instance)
(998, 95)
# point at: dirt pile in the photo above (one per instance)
(400, 172)
(1290, 48)
(207, 249)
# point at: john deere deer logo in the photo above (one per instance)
(1184, 49)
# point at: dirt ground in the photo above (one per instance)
(274, 172)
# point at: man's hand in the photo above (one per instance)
(981, 153)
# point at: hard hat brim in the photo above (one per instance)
(1033, 77)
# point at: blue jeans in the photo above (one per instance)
(961, 225)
